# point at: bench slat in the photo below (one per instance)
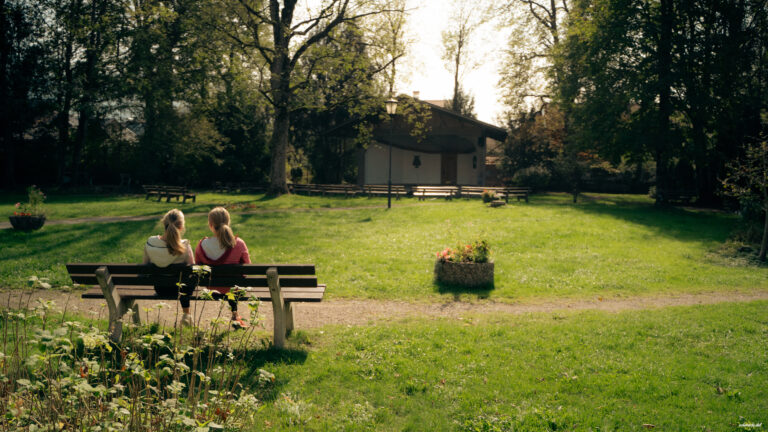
(291, 294)
(223, 270)
(152, 280)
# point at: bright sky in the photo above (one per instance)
(426, 72)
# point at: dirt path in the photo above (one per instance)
(364, 312)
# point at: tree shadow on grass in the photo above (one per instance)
(687, 224)
(482, 292)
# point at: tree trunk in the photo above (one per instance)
(5, 127)
(279, 145)
(665, 104)
(66, 107)
(764, 244)
(79, 144)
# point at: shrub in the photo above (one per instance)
(536, 177)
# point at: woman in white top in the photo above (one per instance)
(169, 248)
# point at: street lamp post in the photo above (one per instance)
(391, 110)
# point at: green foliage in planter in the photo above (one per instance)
(477, 252)
(488, 196)
(34, 205)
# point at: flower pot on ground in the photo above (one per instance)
(468, 274)
(489, 196)
(27, 223)
(466, 265)
(29, 216)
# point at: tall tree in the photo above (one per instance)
(536, 29)
(464, 21)
(21, 77)
(290, 37)
(672, 81)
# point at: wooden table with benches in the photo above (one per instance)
(122, 284)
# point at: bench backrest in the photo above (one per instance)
(377, 188)
(436, 189)
(243, 275)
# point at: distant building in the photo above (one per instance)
(452, 153)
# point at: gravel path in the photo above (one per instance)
(365, 312)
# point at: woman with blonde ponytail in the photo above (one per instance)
(223, 248)
(169, 248)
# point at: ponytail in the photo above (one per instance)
(173, 221)
(219, 220)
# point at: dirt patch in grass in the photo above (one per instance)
(366, 312)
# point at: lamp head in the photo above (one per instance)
(391, 106)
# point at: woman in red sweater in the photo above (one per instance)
(223, 248)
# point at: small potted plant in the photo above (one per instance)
(467, 265)
(29, 216)
(488, 196)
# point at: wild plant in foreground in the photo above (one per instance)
(67, 376)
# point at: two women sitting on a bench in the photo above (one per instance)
(223, 248)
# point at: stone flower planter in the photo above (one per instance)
(27, 223)
(469, 274)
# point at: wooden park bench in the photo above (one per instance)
(381, 190)
(169, 192)
(241, 187)
(325, 189)
(176, 192)
(424, 192)
(339, 189)
(305, 188)
(151, 190)
(477, 191)
(519, 192)
(122, 284)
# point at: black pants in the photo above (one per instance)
(173, 291)
(232, 303)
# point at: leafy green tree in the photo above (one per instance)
(536, 28)
(458, 51)
(281, 39)
(22, 78)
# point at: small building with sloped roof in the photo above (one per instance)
(452, 150)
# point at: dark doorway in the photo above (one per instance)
(448, 168)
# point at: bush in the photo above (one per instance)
(536, 177)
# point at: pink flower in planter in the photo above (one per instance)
(18, 204)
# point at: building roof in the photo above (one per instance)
(447, 132)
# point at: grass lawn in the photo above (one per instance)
(82, 206)
(682, 368)
(606, 246)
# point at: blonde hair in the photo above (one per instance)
(219, 220)
(173, 222)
